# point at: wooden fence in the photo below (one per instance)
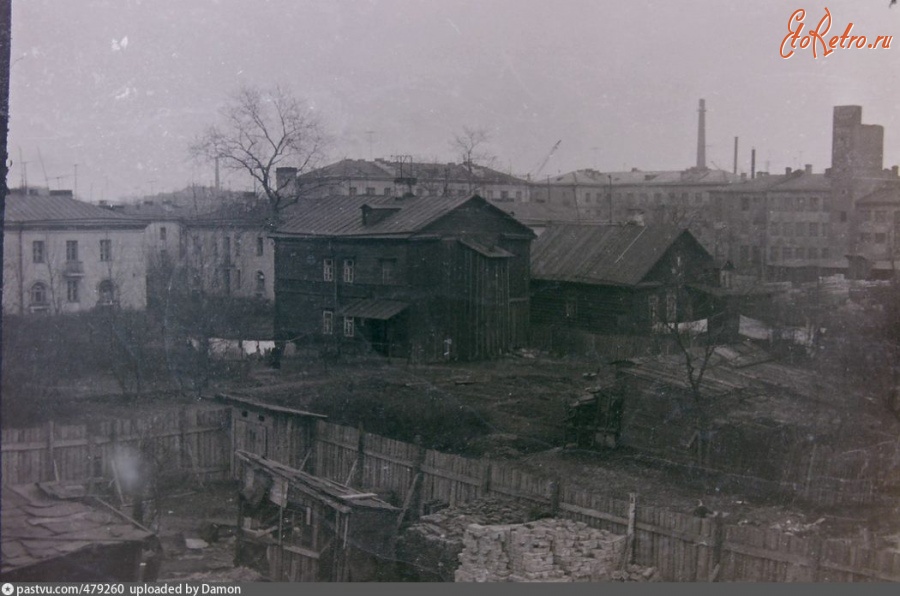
(197, 442)
(681, 546)
(186, 441)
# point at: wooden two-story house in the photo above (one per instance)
(421, 277)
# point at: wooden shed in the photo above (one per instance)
(294, 526)
(275, 432)
(49, 538)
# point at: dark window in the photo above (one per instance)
(843, 216)
(813, 229)
(39, 294)
(880, 238)
(37, 251)
(327, 322)
(328, 270)
(72, 290)
(388, 191)
(106, 250)
(71, 250)
(260, 246)
(352, 191)
(107, 292)
(162, 233)
(826, 253)
(786, 253)
(260, 282)
(388, 271)
(773, 253)
(370, 190)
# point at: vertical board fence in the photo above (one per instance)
(681, 546)
(187, 441)
(198, 442)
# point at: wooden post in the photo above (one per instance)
(817, 548)
(718, 543)
(51, 458)
(486, 480)
(554, 497)
(630, 535)
(360, 458)
(417, 502)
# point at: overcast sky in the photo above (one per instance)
(121, 87)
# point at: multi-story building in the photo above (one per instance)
(401, 175)
(878, 243)
(61, 255)
(658, 197)
(801, 225)
(422, 277)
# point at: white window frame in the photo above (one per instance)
(348, 273)
(327, 322)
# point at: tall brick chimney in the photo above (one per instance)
(701, 136)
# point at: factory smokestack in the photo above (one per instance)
(734, 171)
(752, 164)
(701, 136)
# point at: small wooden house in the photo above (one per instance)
(619, 279)
(428, 278)
(46, 538)
(294, 526)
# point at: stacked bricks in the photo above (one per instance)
(549, 550)
(435, 542)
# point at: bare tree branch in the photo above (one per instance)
(260, 131)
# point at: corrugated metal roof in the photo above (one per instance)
(602, 254)
(37, 527)
(342, 215)
(21, 209)
(374, 308)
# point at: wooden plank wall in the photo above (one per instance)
(193, 441)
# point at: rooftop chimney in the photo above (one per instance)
(734, 171)
(787, 171)
(752, 164)
(807, 168)
(895, 170)
(701, 136)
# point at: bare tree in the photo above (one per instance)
(470, 145)
(261, 131)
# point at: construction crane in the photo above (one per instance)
(541, 167)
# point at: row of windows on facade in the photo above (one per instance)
(787, 203)
(878, 237)
(39, 251)
(226, 246)
(785, 253)
(40, 294)
(348, 270)
(878, 215)
(388, 191)
(790, 228)
(643, 197)
(328, 324)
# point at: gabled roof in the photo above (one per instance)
(382, 169)
(54, 210)
(601, 254)
(37, 528)
(341, 216)
(795, 181)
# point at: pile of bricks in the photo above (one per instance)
(549, 550)
(434, 543)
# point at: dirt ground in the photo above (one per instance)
(518, 403)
